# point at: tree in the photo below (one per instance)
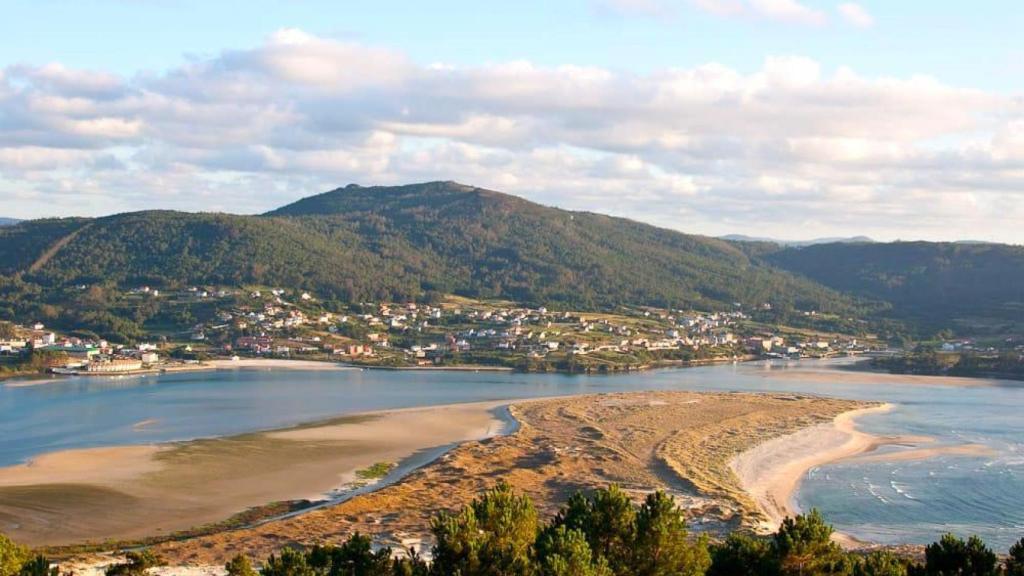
(880, 563)
(951, 556)
(239, 566)
(12, 556)
(38, 565)
(662, 546)
(290, 563)
(135, 564)
(803, 546)
(356, 558)
(563, 551)
(742, 555)
(608, 520)
(1015, 560)
(493, 535)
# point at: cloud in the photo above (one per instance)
(705, 149)
(647, 8)
(788, 11)
(855, 15)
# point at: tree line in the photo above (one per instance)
(602, 534)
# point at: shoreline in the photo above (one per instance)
(772, 471)
(155, 491)
(854, 373)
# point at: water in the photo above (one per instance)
(890, 502)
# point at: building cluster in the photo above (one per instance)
(426, 333)
(774, 346)
(80, 354)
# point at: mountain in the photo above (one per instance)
(481, 242)
(366, 243)
(975, 284)
(357, 244)
(812, 242)
(8, 221)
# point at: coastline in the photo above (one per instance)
(772, 471)
(144, 491)
(855, 373)
(24, 379)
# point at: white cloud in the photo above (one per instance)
(649, 8)
(720, 7)
(706, 149)
(789, 11)
(856, 15)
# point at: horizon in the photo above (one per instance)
(791, 119)
(735, 236)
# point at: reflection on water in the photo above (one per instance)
(883, 501)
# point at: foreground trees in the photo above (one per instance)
(12, 556)
(603, 534)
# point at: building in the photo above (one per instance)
(149, 357)
(114, 365)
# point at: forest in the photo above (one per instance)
(601, 534)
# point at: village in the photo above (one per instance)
(450, 333)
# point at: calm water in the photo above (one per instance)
(884, 501)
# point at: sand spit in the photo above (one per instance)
(771, 472)
(914, 454)
(855, 373)
(681, 442)
(138, 491)
(277, 364)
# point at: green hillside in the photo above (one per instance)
(358, 244)
(971, 285)
(467, 240)
(374, 243)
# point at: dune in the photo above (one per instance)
(131, 492)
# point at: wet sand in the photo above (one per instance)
(853, 374)
(278, 364)
(771, 472)
(680, 442)
(133, 492)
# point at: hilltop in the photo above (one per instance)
(400, 243)
(361, 243)
(971, 286)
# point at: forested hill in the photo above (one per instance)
(493, 244)
(934, 282)
(394, 243)
(399, 242)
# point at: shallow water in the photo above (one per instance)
(892, 502)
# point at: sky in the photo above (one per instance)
(790, 119)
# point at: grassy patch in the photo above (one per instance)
(378, 470)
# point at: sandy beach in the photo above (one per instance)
(771, 471)
(277, 364)
(140, 491)
(680, 442)
(853, 374)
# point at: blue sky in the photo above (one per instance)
(968, 43)
(709, 116)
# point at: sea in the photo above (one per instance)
(890, 502)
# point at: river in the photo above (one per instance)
(882, 501)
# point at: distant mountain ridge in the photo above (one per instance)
(399, 242)
(8, 221)
(972, 283)
(371, 243)
(812, 242)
